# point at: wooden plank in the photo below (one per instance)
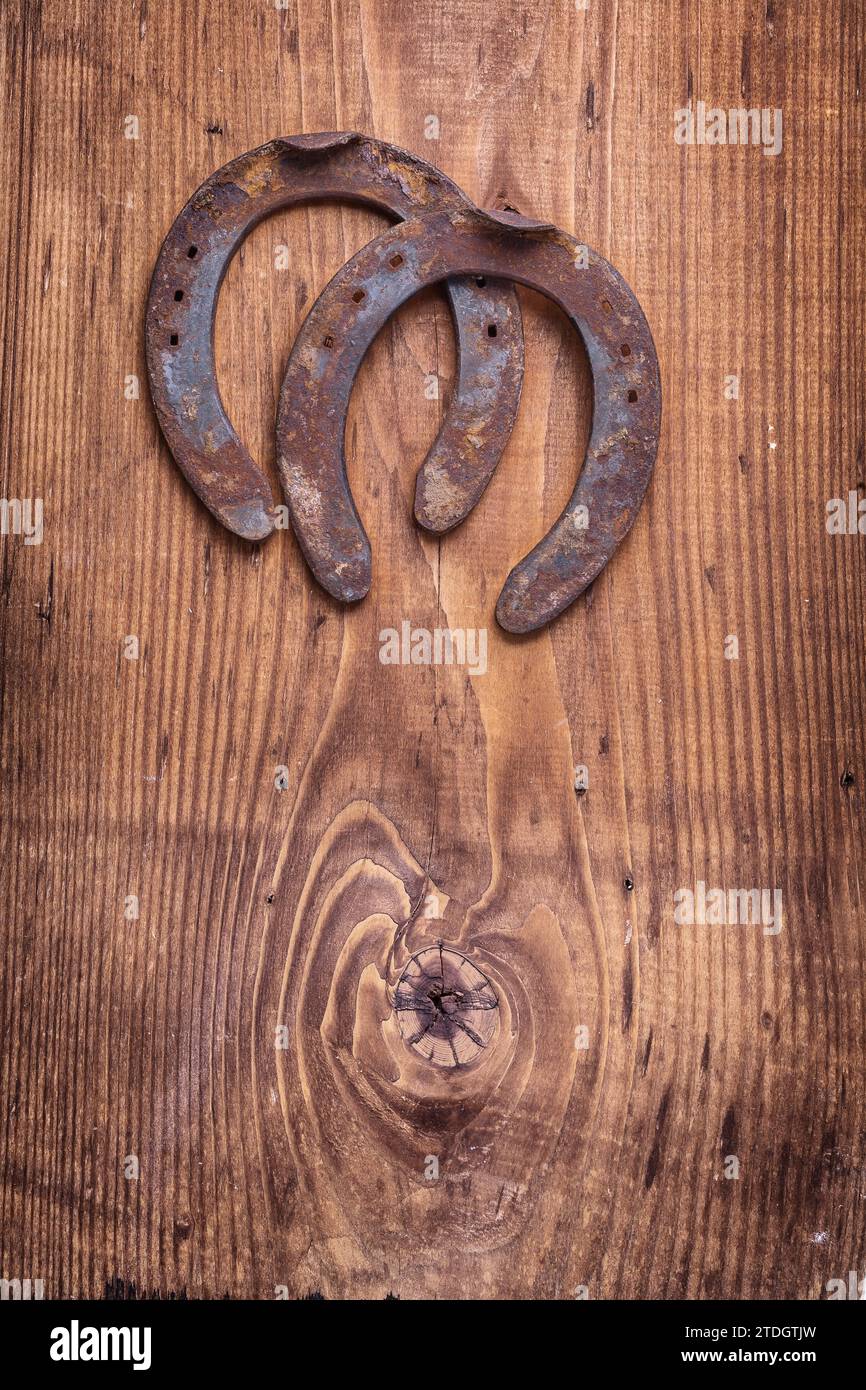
(421, 803)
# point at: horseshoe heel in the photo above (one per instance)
(181, 309)
(348, 315)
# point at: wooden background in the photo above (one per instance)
(560, 1169)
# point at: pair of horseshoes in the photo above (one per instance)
(443, 236)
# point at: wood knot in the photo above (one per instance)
(446, 1007)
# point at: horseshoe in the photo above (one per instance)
(181, 309)
(347, 316)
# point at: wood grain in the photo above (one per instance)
(421, 803)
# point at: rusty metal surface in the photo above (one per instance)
(181, 309)
(347, 316)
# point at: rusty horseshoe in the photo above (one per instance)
(348, 315)
(181, 309)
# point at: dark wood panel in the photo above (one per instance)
(422, 803)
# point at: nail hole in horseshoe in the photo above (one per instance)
(359, 295)
(395, 261)
(625, 350)
(173, 340)
(491, 330)
(480, 281)
(605, 304)
(178, 296)
(632, 395)
(192, 252)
